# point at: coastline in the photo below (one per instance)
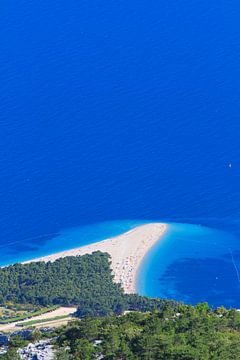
(126, 250)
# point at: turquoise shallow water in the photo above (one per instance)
(190, 263)
(193, 263)
(66, 239)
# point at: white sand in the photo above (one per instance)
(126, 251)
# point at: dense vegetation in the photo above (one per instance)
(185, 333)
(181, 333)
(161, 330)
(85, 281)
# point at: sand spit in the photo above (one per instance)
(126, 251)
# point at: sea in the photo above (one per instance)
(118, 113)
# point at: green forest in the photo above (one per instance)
(183, 333)
(150, 329)
(85, 281)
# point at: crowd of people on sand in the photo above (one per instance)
(125, 271)
(126, 250)
(125, 268)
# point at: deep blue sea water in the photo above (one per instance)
(122, 110)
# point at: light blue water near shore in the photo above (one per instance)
(193, 263)
(190, 263)
(66, 239)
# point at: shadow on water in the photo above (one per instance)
(204, 279)
(193, 263)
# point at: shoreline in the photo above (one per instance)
(126, 250)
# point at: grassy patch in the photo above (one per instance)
(35, 322)
(28, 315)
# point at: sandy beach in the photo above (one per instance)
(126, 250)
